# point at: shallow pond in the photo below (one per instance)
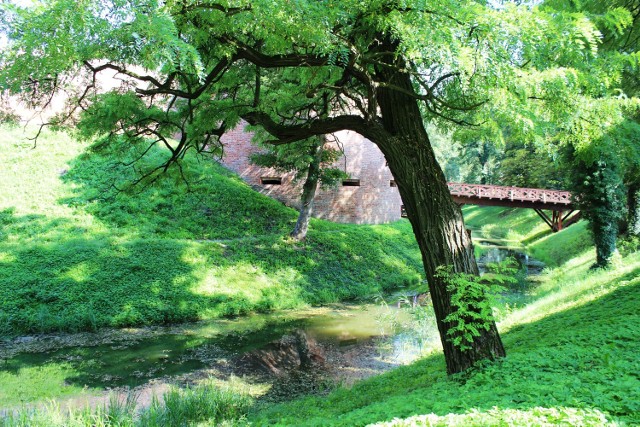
(338, 344)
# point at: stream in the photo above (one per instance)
(286, 354)
(278, 356)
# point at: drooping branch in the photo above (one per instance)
(286, 134)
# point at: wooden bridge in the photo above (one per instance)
(558, 202)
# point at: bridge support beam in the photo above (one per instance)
(558, 219)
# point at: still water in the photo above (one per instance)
(344, 340)
(342, 344)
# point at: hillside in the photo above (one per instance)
(79, 250)
(571, 352)
(77, 255)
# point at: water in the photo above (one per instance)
(327, 341)
(341, 343)
(496, 254)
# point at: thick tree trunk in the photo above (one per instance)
(308, 195)
(436, 220)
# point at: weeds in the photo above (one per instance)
(204, 404)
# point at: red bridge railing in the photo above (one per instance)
(557, 201)
(517, 194)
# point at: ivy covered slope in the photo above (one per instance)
(76, 254)
(572, 353)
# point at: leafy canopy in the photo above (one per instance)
(195, 68)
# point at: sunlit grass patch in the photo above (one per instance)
(564, 289)
(80, 249)
(538, 416)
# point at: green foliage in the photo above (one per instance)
(204, 404)
(599, 193)
(472, 299)
(483, 61)
(629, 245)
(524, 166)
(77, 254)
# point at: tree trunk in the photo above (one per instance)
(308, 195)
(436, 220)
(633, 217)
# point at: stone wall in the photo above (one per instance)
(374, 201)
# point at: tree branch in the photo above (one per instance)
(286, 134)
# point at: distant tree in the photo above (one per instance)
(476, 161)
(600, 196)
(523, 165)
(384, 67)
(312, 162)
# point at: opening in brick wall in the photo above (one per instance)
(392, 183)
(351, 183)
(273, 180)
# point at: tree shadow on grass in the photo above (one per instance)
(584, 357)
(346, 263)
(202, 200)
(58, 276)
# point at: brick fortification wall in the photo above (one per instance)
(374, 201)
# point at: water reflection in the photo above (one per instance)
(496, 254)
(334, 343)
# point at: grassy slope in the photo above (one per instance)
(572, 354)
(524, 228)
(76, 256)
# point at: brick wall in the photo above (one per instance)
(373, 202)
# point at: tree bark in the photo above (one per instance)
(308, 195)
(399, 132)
(436, 220)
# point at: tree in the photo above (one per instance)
(599, 186)
(525, 166)
(383, 67)
(616, 78)
(311, 160)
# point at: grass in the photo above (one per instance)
(571, 359)
(79, 250)
(205, 404)
(71, 252)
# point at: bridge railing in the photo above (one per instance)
(510, 193)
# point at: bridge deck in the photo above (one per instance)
(557, 201)
(495, 195)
